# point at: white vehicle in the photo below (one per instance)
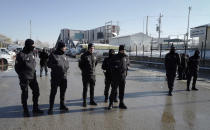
(6, 58)
(16, 48)
(5, 50)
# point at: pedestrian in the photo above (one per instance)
(172, 61)
(107, 73)
(87, 64)
(43, 61)
(59, 66)
(182, 67)
(119, 66)
(193, 68)
(25, 65)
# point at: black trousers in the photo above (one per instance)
(189, 77)
(43, 67)
(170, 81)
(88, 80)
(108, 83)
(33, 84)
(62, 83)
(118, 82)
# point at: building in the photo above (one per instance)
(136, 41)
(203, 33)
(97, 35)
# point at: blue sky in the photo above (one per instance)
(49, 16)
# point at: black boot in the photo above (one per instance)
(194, 88)
(63, 107)
(110, 106)
(50, 111)
(188, 88)
(170, 93)
(122, 105)
(26, 111)
(115, 100)
(92, 102)
(106, 99)
(36, 110)
(84, 104)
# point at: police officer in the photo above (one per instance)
(182, 67)
(87, 64)
(59, 66)
(172, 61)
(193, 68)
(43, 61)
(107, 73)
(25, 65)
(119, 67)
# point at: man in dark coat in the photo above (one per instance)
(172, 61)
(25, 65)
(87, 64)
(43, 61)
(182, 67)
(119, 67)
(107, 73)
(59, 66)
(193, 68)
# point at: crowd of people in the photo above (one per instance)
(187, 68)
(115, 68)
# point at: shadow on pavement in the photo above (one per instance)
(16, 111)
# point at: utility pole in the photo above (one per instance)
(30, 30)
(147, 26)
(188, 23)
(159, 27)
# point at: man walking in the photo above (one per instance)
(87, 64)
(25, 65)
(172, 61)
(43, 61)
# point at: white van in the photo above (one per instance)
(6, 58)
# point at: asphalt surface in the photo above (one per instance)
(149, 107)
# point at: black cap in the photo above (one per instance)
(197, 52)
(121, 47)
(29, 42)
(111, 51)
(60, 45)
(90, 45)
(172, 47)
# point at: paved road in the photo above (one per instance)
(149, 107)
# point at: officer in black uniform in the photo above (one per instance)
(182, 67)
(193, 68)
(25, 65)
(172, 61)
(43, 61)
(87, 64)
(119, 67)
(107, 73)
(59, 66)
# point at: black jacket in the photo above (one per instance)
(25, 65)
(105, 66)
(88, 63)
(172, 61)
(193, 63)
(43, 58)
(59, 65)
(119, 65)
